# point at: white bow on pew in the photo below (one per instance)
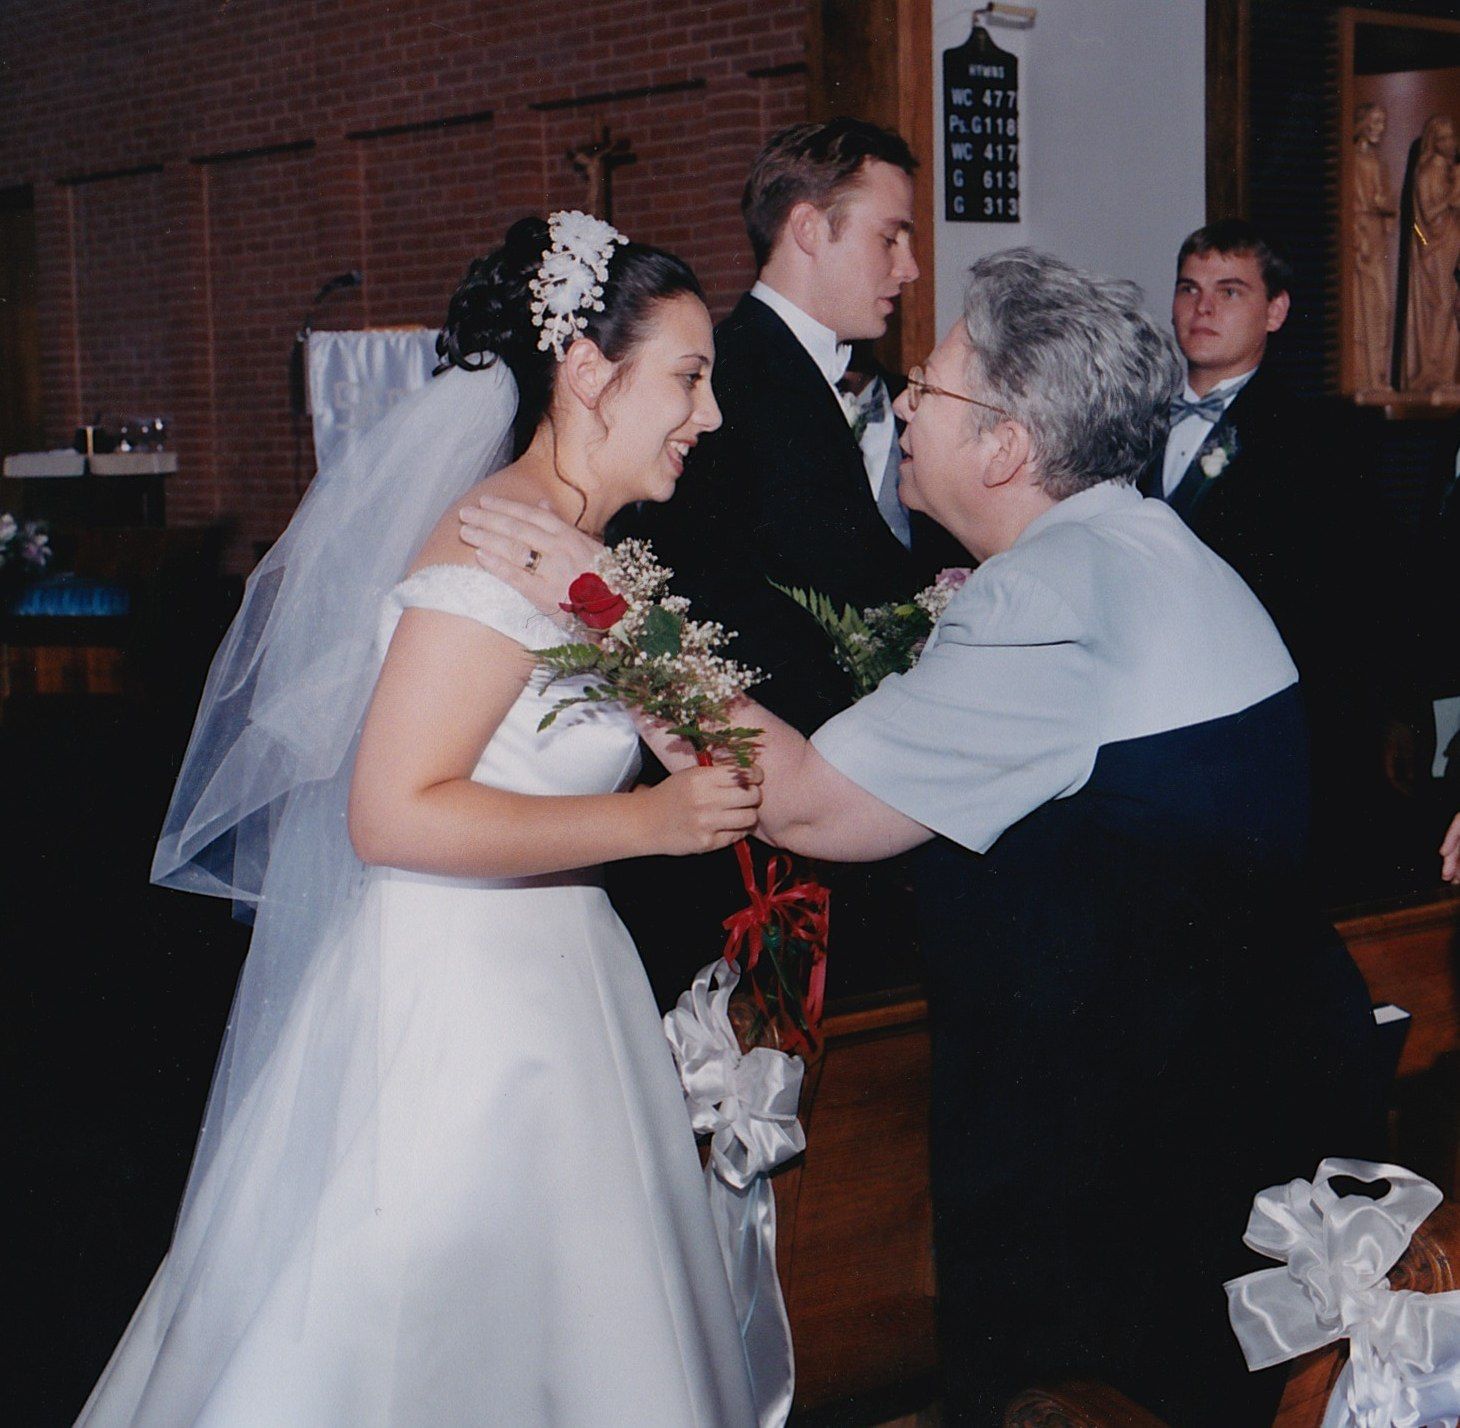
(746, 1102)
(1404, 1347)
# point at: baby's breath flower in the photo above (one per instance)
(656, 660)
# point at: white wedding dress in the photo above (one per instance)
(515, 1230)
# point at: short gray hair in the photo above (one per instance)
(1075, 360)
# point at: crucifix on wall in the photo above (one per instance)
(596, 161)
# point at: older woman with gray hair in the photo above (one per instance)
(1140, 1019)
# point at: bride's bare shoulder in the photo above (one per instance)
(444, 546)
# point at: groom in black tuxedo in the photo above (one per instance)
(1266, 478)
(799, 486)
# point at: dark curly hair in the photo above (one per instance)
(489, 315)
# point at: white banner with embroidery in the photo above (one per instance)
(356, 377)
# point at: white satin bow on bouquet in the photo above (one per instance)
(1404, 1347)
(746, 1102)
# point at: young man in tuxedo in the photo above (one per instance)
(799, 486)
(1266, 478)
(785, 491)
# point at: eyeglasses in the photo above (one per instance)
(918, 388)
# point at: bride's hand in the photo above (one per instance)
(528, 548)
(699, 809)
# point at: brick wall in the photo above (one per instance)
(200, 169)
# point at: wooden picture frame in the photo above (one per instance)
(1397, 224)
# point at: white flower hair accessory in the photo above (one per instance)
(571, 276)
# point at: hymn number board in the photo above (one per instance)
(980, 132)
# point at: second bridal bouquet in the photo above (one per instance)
(641, 649)
(884, 639)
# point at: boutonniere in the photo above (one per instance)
(1216, 456)
(855, 413)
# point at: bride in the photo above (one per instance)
(446, 1175)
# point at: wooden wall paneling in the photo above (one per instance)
(1229, 79)
(915, 123)
(852, 53)
(873, 59)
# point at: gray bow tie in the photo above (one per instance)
(875, 407)
(1208, 408)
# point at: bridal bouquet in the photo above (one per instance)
(645, 652)
(883, 639)
(650, 655)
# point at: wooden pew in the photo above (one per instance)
(854, 1240)
(1408, 956)
(854, 1243)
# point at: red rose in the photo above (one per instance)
(593, 602)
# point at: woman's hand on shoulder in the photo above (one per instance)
(528, 548)
(700, 809)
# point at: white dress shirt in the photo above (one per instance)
(1190, 432)
(831, 356)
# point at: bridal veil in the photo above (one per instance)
(259, 811)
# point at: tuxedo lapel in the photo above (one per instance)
(797, 399)
(789, 366)
(1232, 434)
(1195, 483)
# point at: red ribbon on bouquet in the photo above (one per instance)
(798, 911)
